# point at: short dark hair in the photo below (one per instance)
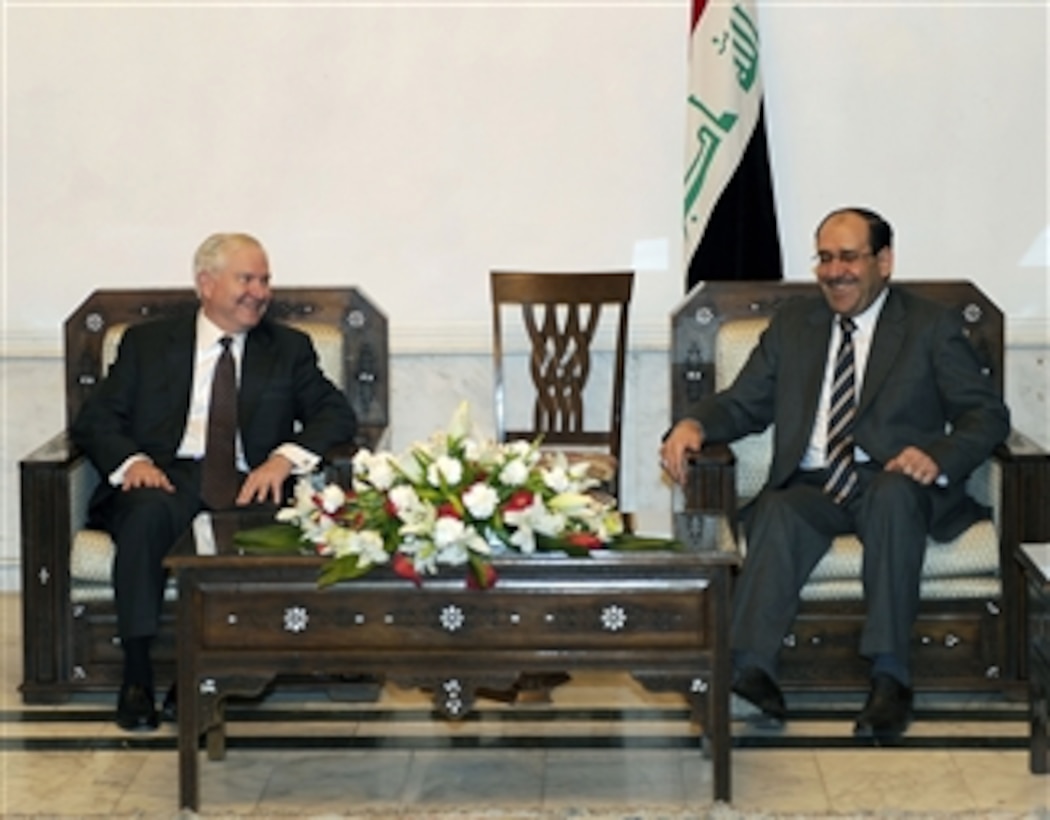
(880, 233)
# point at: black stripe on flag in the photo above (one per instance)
(741, 241)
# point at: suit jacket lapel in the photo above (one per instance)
(178, 361)
(885, 346)
(805, 354)
(255, 371)
(812, 357)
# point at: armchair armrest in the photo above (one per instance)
(338, 463)
(710, 484)
(1026, 486)
(1024, 518)
(47, 523)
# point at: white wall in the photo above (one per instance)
(409, 148)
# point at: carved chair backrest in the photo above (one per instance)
(569, 321)
(349, 332)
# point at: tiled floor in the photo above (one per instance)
(604, 747)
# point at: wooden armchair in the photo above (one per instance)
(970, 631)
(570, 324)
(69, 635)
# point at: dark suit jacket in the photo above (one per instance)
(923, 387)
(141, 405)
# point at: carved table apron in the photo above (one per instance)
(242, 620)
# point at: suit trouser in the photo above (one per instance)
(791, 528)
(145, 523)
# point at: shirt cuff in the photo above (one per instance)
(303, 461)
(116, 478)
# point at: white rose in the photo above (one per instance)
(514, 473)
(447, 468)
(480, 500)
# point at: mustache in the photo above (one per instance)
(841, 279)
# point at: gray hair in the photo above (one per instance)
(211, 255)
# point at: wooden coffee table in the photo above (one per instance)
(243, 620)
(1035, 561)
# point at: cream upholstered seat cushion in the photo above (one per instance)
(967, 567)
(92, 551)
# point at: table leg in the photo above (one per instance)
(718, 700)
(1039, 720)
(189, 795)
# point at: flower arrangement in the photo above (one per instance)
(455, 500)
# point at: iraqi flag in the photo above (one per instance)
(730, 218)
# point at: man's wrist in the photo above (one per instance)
(302, 461)
(116, 478)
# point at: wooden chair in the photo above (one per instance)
(570, 324)
(970, 631)
(69, 641)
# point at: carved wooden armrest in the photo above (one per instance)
(1026, 485)
(52, 477)
(710, 484)
(338, 463)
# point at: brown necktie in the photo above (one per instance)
(219, 479)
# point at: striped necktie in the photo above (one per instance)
(842, 473)
(219, 479)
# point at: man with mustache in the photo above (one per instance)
(146, 427)
(880, 411)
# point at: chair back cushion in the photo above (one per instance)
(349, 332)
(327, 341)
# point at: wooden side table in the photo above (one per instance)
(1035, 562)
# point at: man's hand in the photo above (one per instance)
(265, 482)
(685, 437)
(144, 473)
(915, 464)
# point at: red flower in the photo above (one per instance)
(586, 540)
(390, 508)
(519, 500)
(403, 566)
(448, 510)
(481, 575)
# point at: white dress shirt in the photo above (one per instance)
(816, 456)
(205, 358)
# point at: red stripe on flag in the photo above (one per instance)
(698, 9)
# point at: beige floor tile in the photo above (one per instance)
(511, 778)
(334, 782)
(614, 777)
(154, 791)
(1000, 781)
(66, 783)
(778, 780)
(880, 779)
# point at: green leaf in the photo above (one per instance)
(341, 569)
(544, 543)
(635, 543)
(277, 538)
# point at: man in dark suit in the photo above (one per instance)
(147, 424)
(880, 411)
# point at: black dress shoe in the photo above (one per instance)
(887, 712)
(135, 709)
(758, 689)
(169, 712)
(532, 686)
